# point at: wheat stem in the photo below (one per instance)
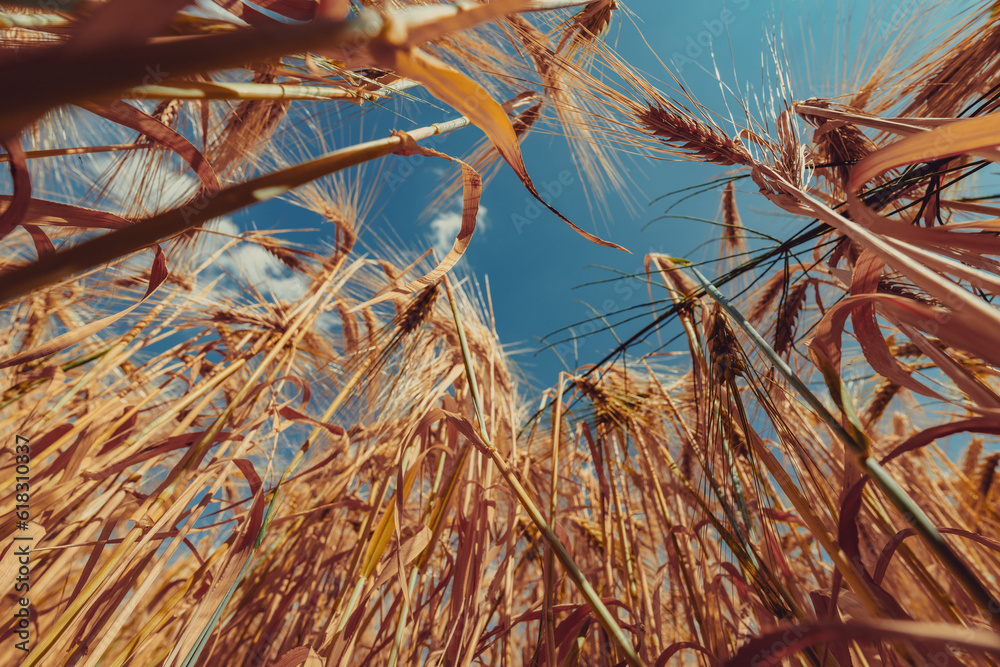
(915, 516)
(196, 90)
(603, 614)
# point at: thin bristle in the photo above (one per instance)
(987, 476)
(794, 301)
(247, 130)
(732, 231)
(589, 23)
(884, 393)
(970, 462)
(692, 136)
(723, 348)
(838, 145)
(419, 309)
(765, 297)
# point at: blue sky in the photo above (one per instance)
(541, 272)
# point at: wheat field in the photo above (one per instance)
(338, 463)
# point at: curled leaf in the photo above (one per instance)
(43, 212)
(15, 211)
(129, 116)
(474, 102)
(968, 136)
(472, 187)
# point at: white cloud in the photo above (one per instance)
(246, 261)
(212, 10)
(224, 225)
(445, 227)
(163, 189)
(265, 271)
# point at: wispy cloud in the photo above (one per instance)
(249, 262)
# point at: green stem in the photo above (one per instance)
(604, 616)
(858, 444)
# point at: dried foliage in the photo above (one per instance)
(335, 465)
